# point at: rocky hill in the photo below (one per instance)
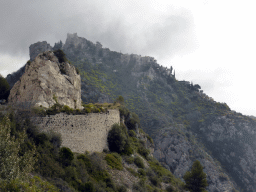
(48, 79)
(185, 123)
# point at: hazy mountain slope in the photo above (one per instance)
(161, 101)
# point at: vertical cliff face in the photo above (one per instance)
(178, 151)
(47, 81)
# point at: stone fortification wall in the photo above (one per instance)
(80, 133)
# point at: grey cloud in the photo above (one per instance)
(26, 22)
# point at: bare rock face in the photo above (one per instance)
(46, 81)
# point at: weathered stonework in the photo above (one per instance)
(80, 133)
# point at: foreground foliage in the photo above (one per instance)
(196, 178)
(58, 168)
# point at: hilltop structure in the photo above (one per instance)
(49, 80)
(80, 133)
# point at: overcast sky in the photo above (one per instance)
(209, 42)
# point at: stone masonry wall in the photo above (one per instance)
(80, 133)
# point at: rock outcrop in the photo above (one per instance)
(47, 81)
(37, 48)
(178, 152)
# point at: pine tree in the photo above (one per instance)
(196, 178)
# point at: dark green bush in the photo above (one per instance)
(60, 55)
(4, 88)
(66, 156)
(128, 150)
(41, 138)
(122, 189)
(141, 172)
(143, 151)
(70, 174)
(139, 162)
(47, 165)
(88, 187)
(155, 180)
(158, 168)
(87, 162)
(116, 139)
(132, 133)
(124, 112)
(56, 139)
(170, 189)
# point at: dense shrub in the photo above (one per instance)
(86, 161)
(155, 180)
(143, 151)
(121, 189)
(47, 165)
(170, 189)
(4, 88)
(60, 55)
(132, 133)
(141, 172)
(139, 162)
(119, 100)
(128, 149)
(116, 139)
(88, 187)
(41, 138)
(56, 139)
(114, 161)
(158, 168)
(66, 156)
(129, 159)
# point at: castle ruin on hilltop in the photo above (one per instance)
(49, 80)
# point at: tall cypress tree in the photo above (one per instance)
(4, 88)
(196, 178)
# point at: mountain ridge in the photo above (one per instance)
(161, 101)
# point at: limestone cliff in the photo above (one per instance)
(178, 152)
(46, 81)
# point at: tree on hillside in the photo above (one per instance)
(14, 165)
(196, 178)
(4, 88)
(116, 139)
(119, 99)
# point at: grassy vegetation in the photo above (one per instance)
(88, 108)
(114, 161)
(60, 168)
